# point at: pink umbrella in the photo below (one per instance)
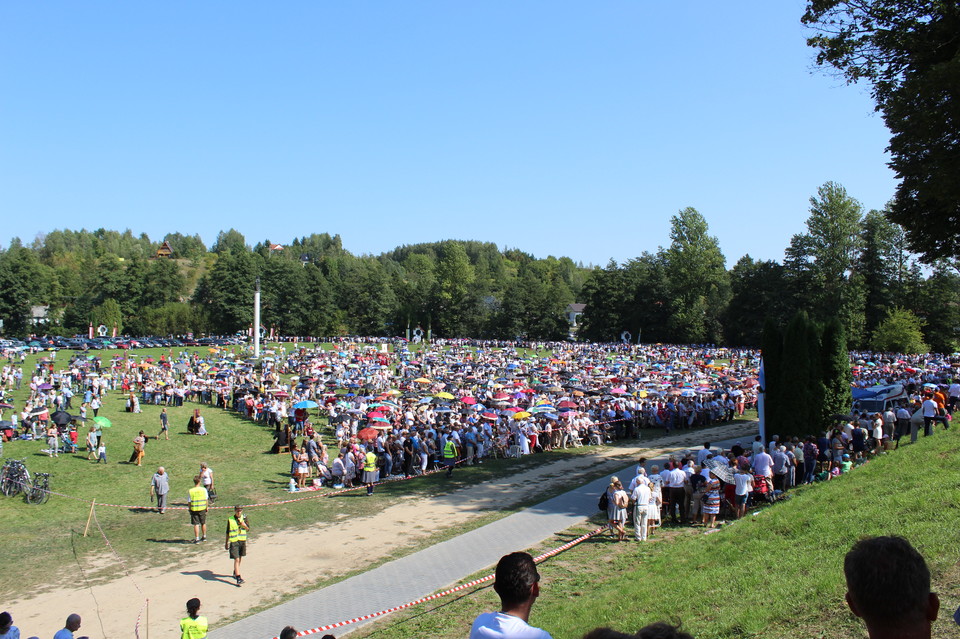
(469, 401)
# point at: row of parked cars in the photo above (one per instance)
(100, 343)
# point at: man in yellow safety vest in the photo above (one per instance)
(450, 455)
(198, 497)
(370, 469)
(236, 544)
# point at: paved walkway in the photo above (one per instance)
(429, 570)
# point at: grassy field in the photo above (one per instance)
(775, 574)
(42, 542)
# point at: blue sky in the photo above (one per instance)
(559, 128)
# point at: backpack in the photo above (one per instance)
(604, 501)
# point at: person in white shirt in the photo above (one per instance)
(641, 503)
(702, 453)
(763, 464)
(903, 423)
(743, 485)
(929, 408)
(517, 582)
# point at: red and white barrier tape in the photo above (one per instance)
(469, 584)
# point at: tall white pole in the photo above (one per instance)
(256, 321)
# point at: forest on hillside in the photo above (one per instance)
(847, 264)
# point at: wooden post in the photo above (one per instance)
(89, 517)
(148, 619)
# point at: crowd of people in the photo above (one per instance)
(403, 404)
(361, 412)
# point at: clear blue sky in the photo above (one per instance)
(560, 127)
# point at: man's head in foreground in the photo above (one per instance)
(888, 586)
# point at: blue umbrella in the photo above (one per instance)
(306, 404)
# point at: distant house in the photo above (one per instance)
(39, 315)
(276, 247)
(573, 312)
(164, 252)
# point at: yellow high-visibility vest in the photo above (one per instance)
(198, 498)
(371, 462)
(237, 532)
(449, 450)
(193, 628)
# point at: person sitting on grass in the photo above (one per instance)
(888, 586)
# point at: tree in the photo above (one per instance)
(108, 314)
(900, 332)
(756, 294)
(454, 298)
(697, 279)
(821, 263)
(835, 371)
(908, 50)
(229, 241)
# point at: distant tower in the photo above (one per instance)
(256, 320)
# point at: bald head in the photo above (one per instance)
(73, 622)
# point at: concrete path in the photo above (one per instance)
(427, 571)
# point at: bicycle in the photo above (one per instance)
(14, 477)
(39, 492)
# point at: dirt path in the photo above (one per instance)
(284, 562)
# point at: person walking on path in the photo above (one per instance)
(194, 625)
(160, 486)
(450, 455)
(198, 497)
(164, 424)
(236, 543)
(518, 584)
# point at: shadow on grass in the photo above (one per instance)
(179, 542)
(142, 509)
(209, 575)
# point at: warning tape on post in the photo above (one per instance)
(438, 595)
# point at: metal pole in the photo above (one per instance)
(256, 321)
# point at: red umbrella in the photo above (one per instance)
(374, 415)
(488, 415)
(567, 404)
(367, 433)
(469, 401)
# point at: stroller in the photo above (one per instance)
(762, 490)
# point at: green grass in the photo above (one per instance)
(775, 574)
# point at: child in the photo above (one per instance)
(102, 452)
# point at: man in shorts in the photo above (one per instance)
(198, 499)
(236, 543)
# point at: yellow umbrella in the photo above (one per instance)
(444, 395)
(393, 391)
(422, 380)
(521, 415)
(642, 394)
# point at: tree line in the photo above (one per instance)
(848, 265)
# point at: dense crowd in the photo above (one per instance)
(489, 399)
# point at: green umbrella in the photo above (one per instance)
(102, 422)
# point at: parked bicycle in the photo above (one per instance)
(14, 477)
(39, 491)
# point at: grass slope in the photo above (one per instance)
(775, 574)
